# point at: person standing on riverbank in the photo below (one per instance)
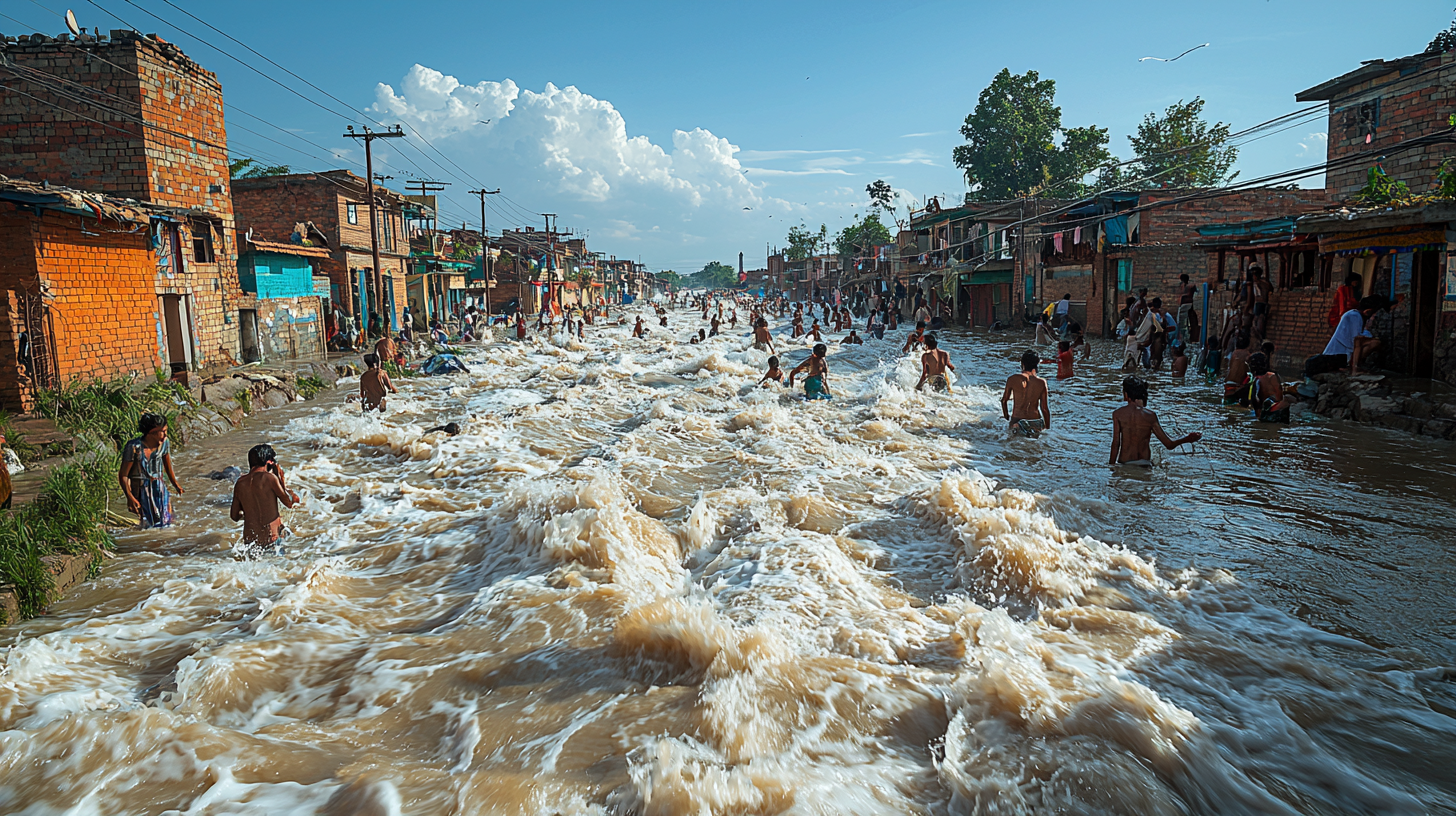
(1133, 426)
(1028, 394)
(256, 496)
(144, 461)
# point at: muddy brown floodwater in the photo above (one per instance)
(638, 585)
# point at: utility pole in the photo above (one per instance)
(369, 136)
(551, 258)
(485, 246)
(426, 188)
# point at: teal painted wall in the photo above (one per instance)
(275, 276)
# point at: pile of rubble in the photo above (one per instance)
(225, 400)
(1373, 398)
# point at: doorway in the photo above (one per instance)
(248, 329)
(1425, 303)
(179, 332)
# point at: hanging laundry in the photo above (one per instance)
(1076, 236)
(1057, 243)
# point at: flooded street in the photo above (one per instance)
(638, 585)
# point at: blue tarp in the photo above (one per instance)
(1117, 229)
(443, 364)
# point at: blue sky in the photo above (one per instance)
(683, 133)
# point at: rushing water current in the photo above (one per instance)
(636, 584)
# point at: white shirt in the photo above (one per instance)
(1352, 325)
(1063, 306)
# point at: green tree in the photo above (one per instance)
(803, 243)
(673, 279)
(715, 276)
(1012, 145)
(1181, 149)
(251, 168)
(1444, 40)
(862, 236)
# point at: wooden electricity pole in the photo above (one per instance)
(485, 246)
(378, 278)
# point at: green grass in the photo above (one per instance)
(65, 518)
(27, 452)
(108, 411)
(309, 387)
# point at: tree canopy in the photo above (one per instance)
(803, 243)
(251, 168)
(672, 278)
(862, 236)
(715, 276)
(1181, 149)
(1012, 142)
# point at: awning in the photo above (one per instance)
(985, 276)
(1397, 239)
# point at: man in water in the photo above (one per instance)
(1186, 290)
(852, 339)
(373, 384)
(762, 340)
(916, 337)
(933, 365)
(1133, 425)
(1236, 379)
(816, 382)
(1028, 393)
(256, 495)
(637, 330)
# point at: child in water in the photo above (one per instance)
(373, 384)
(774, 372)
(1133, 426)
(1064, 360)
(816, 382)
(1270, 404)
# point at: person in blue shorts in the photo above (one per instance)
(816, 369)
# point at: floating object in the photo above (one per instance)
(1175, 59)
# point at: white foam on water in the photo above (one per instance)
(636, 583)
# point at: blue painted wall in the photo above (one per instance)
(270, 275)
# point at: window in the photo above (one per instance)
(386, 234)
(352, 211)
(202, 250)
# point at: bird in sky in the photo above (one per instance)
(1175, 59)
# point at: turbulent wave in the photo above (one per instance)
(636, 584)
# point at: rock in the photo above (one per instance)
(1400, 422)
(1448, 410)
(1299, 409)
(1441, 428)
(12, 462)
(1370, 408)
(275, 398)
(223, 392)
(1418, 408)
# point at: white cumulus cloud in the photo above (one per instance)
(1314, 145)
(561, 143)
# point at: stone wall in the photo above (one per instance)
(1374, 399)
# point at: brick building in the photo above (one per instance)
(1118, 243)
(332, 209)
(131, 116)
(78, 278)
(1376, 107)
(282, 311)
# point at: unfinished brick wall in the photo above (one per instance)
(72, 120)
(104, 313)
(1413, 100)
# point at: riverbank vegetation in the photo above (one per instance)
(70, 514)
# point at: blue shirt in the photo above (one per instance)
(1351, 325)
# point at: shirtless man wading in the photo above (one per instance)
(1133, 425)
(1028, 392)
(933, 365)
(256, 496)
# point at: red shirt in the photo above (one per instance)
(1345, 300)
(1064, 364)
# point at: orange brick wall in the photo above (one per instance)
(104, 313)
(179, 160)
